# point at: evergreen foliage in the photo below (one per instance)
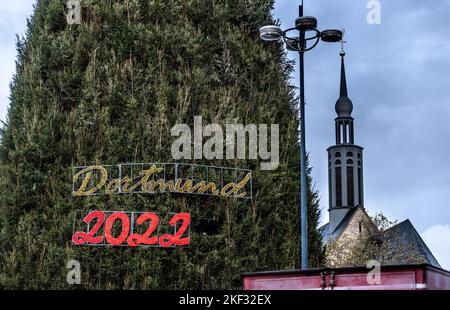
(108, 91)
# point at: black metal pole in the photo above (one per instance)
(303, 184)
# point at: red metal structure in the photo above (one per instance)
(397, 277)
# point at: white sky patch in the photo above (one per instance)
(437, 237)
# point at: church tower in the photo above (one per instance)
(345, 161)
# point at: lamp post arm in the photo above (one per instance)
(314, 45)
(293, 48)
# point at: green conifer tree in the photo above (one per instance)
(108, 91)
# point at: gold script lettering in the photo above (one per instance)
(88, 171)
(240, 185)
(147, 183)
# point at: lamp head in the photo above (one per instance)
(331, 35)
(306, 23)
(270, 33)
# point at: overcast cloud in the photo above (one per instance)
(399, 82)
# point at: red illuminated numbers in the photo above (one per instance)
(180, 222)
(82, 238)
(136, 239)
(125, 228)
(168, 240)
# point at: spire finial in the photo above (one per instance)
(342, 53)
(344, 105)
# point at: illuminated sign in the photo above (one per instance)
(154, 178)
(149, 229)
(133, 229)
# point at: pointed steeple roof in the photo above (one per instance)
(344, 105)
(343, 78)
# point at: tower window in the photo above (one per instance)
(350, 189)
(337, 162)
(329, 189)
(348, 132)
(352, 134)
(360, 189)
(338, 154)
(349, 154)
(338, 187)
(360, 227)
(349, 162)
(359, 155)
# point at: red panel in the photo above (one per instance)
(412, 277)
(437, 280)
(293, 282)
(404, 280)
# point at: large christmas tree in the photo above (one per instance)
(108, 91)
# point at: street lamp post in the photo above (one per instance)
(304, 25)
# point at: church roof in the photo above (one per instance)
(327, 235)
(404, 237)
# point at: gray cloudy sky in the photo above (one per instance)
(399, 82)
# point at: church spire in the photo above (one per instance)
(344, 105)
(343, 78)
(345, 160)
